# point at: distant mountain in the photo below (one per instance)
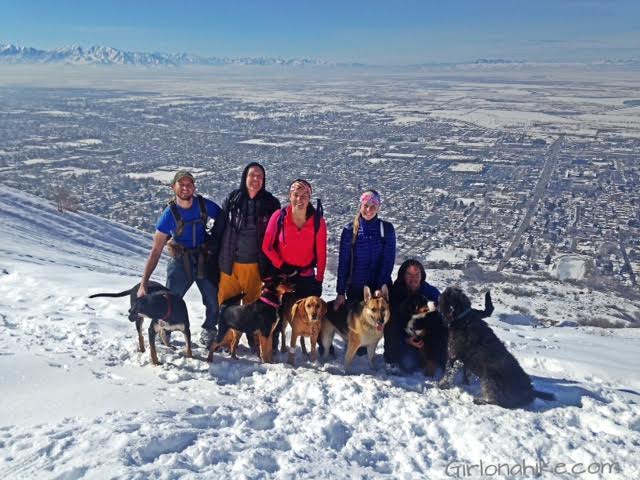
(97, 55)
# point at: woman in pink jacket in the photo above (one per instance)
(296, 241)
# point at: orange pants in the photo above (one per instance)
(244, 278)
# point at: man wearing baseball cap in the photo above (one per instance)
(184, 224)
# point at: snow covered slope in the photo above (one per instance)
(78, 400)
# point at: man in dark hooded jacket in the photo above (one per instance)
(239, 232)
(399, 347)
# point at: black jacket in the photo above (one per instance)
(234, 214)
(394, 333)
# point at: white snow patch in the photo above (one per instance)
(265, 143)
(451, 255)
(571, 267)
(467, 167)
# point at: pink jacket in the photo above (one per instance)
(295, 245)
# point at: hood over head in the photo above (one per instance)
(243, 179)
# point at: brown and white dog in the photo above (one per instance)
(306, 318)
(364, 326)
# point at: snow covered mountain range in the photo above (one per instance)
(79, 401)
(99, 55)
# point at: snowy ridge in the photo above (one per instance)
(100, 55)
(103, 55)
(80, 402)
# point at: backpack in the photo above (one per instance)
(181, 224)
(317, 215)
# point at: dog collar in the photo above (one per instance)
(464, 314)
(269, 302)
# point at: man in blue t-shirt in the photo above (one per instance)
(184, 223)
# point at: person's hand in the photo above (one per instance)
(338, 302)
(415, 343)
(142, 290)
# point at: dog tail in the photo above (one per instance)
(121, 294)
(544, 395)
(488, 305)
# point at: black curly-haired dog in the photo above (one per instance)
(474, 344)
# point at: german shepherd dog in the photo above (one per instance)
(166, 311)
(472, 342)
(364, 326)
(425, 323)
(257, 319)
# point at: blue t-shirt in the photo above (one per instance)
(193, 234)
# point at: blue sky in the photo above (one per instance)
(380, 32)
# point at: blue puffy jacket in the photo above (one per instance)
(373, 257)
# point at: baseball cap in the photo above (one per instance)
(180, 174)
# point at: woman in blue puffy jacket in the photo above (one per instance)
(367, 252)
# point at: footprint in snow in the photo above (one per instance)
(173, 443)
(336, 434)
(263, 420)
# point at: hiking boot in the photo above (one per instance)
(361, 352)
(207, 336)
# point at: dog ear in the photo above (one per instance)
(385, 292)
(367, 294)
(323, 309)
(294, 309)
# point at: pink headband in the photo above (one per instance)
(370, 197)
(301, 185)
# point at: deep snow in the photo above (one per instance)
(78, 400)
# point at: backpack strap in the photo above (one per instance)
(317, 215)
(175, 213)
(280, 227)
(204, 215)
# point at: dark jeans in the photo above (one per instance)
(179, 282)
(306, 286)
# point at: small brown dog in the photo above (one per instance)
(306, 318)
